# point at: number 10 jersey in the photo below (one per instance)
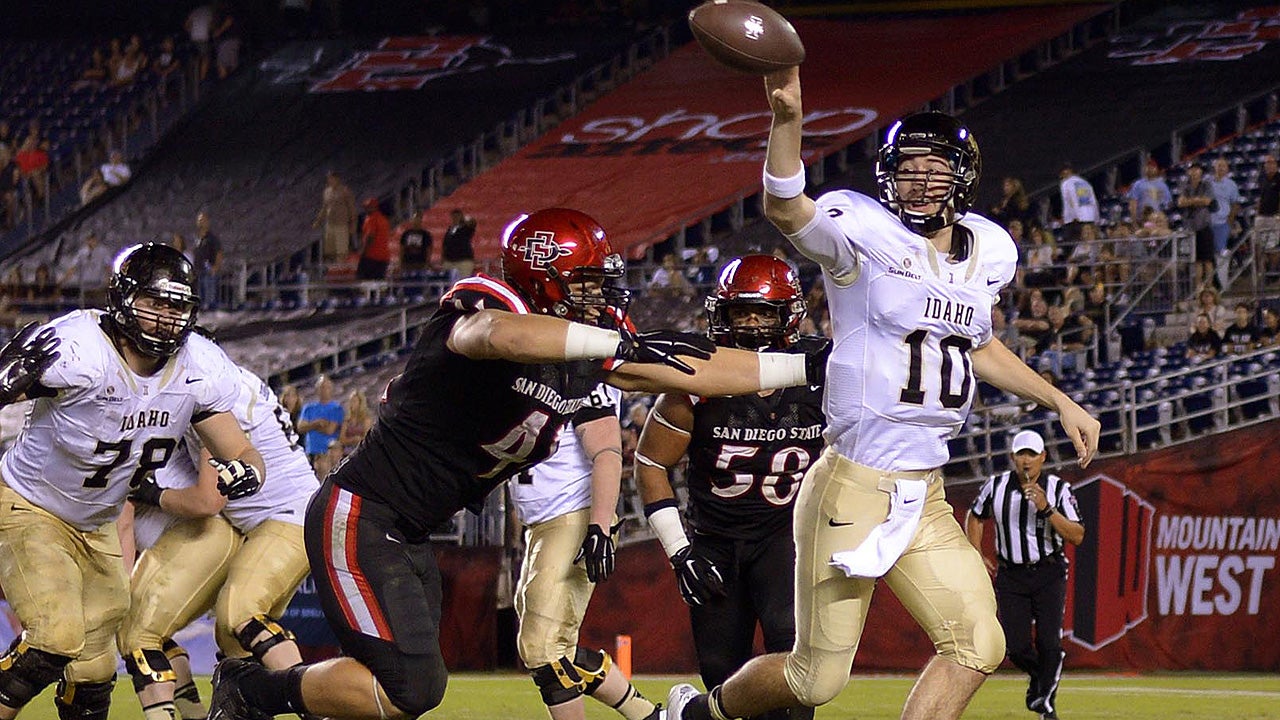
(905, 319)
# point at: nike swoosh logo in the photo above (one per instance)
(193, 380)
(908, 502)
(388, 536)
(832, 522)
(993, 281)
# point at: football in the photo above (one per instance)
(746, 36)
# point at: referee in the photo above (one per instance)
(1034, 515)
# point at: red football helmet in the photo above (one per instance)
(549, 255)
(762, 283)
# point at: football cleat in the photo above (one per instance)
(677, 698)
(227, 702)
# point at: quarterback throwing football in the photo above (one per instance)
(911, 278)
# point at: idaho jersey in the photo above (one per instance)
(450, 429)
(904, 319)
(561, 484)
(290, 480)
(104, 426)
(747, 456)
(149, 521)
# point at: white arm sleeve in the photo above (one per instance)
(822, 241)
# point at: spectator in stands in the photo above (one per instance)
(115, 171)
(96, 74)
(321, 422)
(93, 186)
(178, 242)
(1207, 304)
(227, 40)
(208, 261)
(415, 245)
(1224, 218)
(115, 56)
(88, 271)
(1013, 204)
(167, 68)
(375, 243)
(1079, 204)
(337, 216)
(700, 270)
(1269, 331)
(8, 142)
(669, 280)
(132, 62)
(1069, 335)
(33, 167)
(1242, 335)
(1034, 325)
(356, 421)
(1149, 192)
(291, 401)
(199, 26)
(44, 291)
(1205, 343)
(1197, 201)
(1266, 224)
(1005, 331)
(10, 177)
(457, 254)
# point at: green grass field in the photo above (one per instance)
(508, 696)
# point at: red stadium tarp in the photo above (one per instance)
(685, 138)
(1178, 572)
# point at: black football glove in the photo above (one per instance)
(815, 363)
(24, 359)
(664, 346)
(699, 578)
(146, 492)
(596, 554)
(236, 478)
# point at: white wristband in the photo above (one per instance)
(785, 188)
(670, 531)
(584, 342)
(779, 370)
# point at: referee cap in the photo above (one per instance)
(1028, 440)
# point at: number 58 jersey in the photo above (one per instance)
(102, 426)
(905, 319)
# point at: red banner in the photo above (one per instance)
(685, 138)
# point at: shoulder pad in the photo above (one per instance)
(484, 293)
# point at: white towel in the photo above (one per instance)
(889, 539)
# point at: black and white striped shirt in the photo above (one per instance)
(1021, 537)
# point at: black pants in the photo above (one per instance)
(759, 579)
(1028, 595)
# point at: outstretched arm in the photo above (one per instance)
(997, 365)
(789, 210)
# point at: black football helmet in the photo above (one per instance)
(163, 274)
(763, 283)
(930, 133)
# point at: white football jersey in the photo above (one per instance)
(290, 480)
(149, 521)
(561, 484)
(904, 318)
(80, 449)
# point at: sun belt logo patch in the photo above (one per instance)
(542, 249)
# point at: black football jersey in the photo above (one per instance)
(450, 429)
(747, 456)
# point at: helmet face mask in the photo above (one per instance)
(561, 262)
(757, 305)
(150, 298)
(927, 171)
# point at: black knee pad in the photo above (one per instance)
(25, 672)
(84, 701)
(592, 665)
(558, 682)
(256, 626)
(148, 667)
(419, 686)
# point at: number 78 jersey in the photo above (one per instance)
(905, 319)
